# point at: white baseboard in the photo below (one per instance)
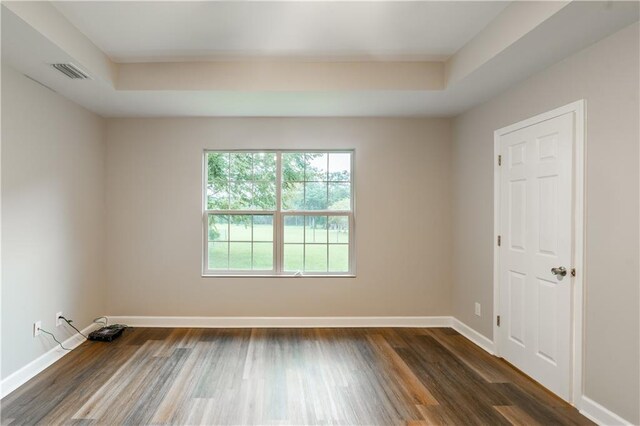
(599, 414)
(306, 322)
(23, 375)
(280, 322)
(474, 336)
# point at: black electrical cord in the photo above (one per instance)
(95, 321)
(68, 321)
(106, 321)
(73, 326)
(54, 338)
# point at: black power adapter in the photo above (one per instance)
(107, 333)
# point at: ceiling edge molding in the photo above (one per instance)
(282, 76)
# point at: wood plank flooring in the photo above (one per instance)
(284, 377)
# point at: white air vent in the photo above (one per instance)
(71, 71)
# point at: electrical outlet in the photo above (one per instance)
(58, 319)
(478, 309)
(36, 328)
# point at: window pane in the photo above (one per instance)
(294, 229)
(241, 252)
(315, 197)
(218, 227)
(338, 229)
(264, 196)
(293, 257)
(218, 255)
(263, 228)
(240, 229)
(315, 229)
(218, 197)
(264, 166)
(314, 193)
(241, 195)
(263, 256)
(217, 166)
(209, 195)
(315, 259)
(239, 255)
(316, 167)
(340, 166)
(293, 166)
(293, 196)
(338, 258)
(241, 166)
(339, 196)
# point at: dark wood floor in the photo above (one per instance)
(282, 377)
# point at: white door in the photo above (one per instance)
(535, 253)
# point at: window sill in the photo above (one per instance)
(274, 276)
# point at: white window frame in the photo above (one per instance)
(278, 220)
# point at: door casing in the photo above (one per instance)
(578, 108)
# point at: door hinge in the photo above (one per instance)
(499, 240)
(498, 320)
(499, 160)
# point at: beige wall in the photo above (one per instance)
(606, 75)
(154, 221)
(53, 170)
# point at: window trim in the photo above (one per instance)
(278, 221)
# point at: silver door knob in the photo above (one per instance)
(561, 271)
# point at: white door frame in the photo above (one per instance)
(579, 157)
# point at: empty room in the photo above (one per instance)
(320, 213)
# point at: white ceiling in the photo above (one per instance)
(35, 35)
(171, 31)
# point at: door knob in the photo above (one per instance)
(561, 271)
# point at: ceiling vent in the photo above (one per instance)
(71, 71)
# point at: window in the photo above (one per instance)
(278, 213)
